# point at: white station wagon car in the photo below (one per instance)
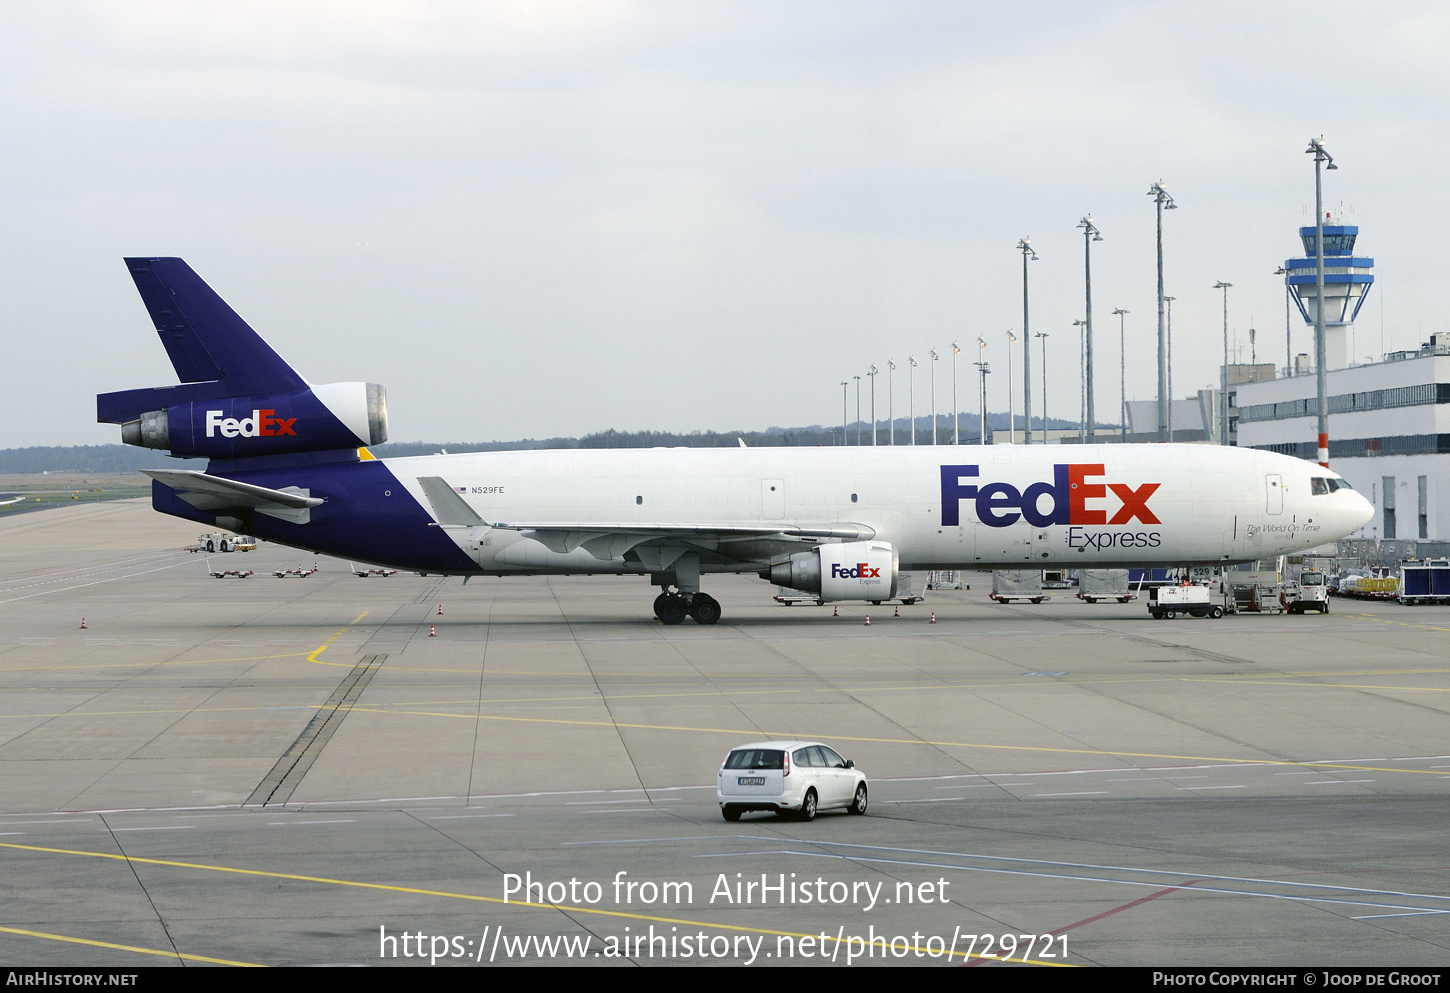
(789, 777)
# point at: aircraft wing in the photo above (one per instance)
(607, 538)
(207, 492)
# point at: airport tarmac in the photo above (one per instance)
(300, 771)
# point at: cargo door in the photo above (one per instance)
(1274, 495)
(772, 499)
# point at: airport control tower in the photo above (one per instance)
(1347, 280)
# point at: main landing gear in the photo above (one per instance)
(671, 608)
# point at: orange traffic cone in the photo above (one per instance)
(933, 616)
(898, 612)
(835, 611)
(440, 610)
(432, 630)
(83, 623)
(868, 620)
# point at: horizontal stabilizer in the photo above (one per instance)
(207, 340)
(212, 493)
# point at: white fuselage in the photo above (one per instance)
(1113, 505)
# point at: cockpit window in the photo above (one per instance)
(1339, 484)
(1319, 486)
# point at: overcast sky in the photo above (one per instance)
(547, 218)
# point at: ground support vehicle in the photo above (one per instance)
(1168, 602)
(1017, 584)
(1309, 592)
(1105, 584)
(1425, 582)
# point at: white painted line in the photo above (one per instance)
(460, 817)
(1195, 789)
(1337, 782)
(1089, 793)
(174, 827)
(307, 823)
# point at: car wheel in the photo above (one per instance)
(731, 814)
(858, 806)
(1216, 613)
(808, 806)
(1170, 614)
(1325, 608)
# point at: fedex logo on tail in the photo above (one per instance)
(260, 425)
(1070, 498)
(861, 570)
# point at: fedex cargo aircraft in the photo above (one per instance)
(289, 461)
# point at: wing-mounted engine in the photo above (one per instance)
(856, 570)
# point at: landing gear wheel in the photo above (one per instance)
(705, 609)
(670, 608)
(731, 814)
(858, 806)
(808, 806)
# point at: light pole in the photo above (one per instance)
(872, 373)
(1025, 247)
(1169, 302)
(983, 368)
(1090, 234)
(956, 413)
(845, 435)
(1043, 336)
(1082, 381)
(891, 397)
(1321, 156)
(911, 395)
(1011, 422)
(933, 355)
(1165, 394)
(1223, 400)
(1123, 369)
(858, 410)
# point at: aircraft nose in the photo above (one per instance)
(1361, 510)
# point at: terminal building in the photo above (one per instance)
(1389, 420)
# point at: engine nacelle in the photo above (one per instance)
(335, 415)
(857, 570)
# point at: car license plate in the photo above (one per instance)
(751, 780)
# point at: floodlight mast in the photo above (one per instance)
(1025, 247)
(1223, 397)
(1123, 369)
(911, 394)
(1322, 160)
(1090, 234)
(891, 398)
(983, 368)
(1169, 302)
(956, 414)
(1044, 336)
(1082, 382)
(1011, 421)
(872, 373)
(934, 358)
(1164, 202)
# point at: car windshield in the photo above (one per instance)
(755, 758)
(1312, 579)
